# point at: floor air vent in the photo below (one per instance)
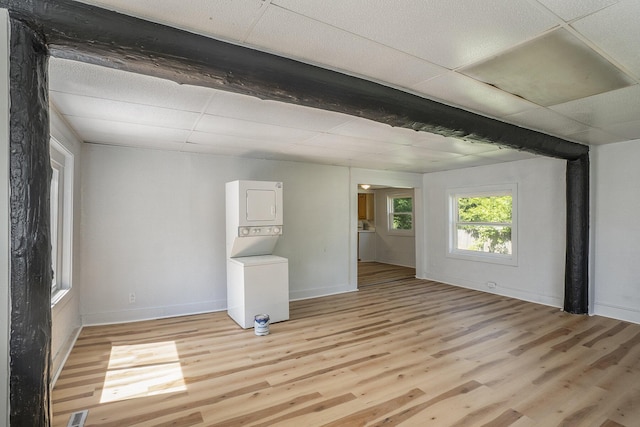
(77, 419)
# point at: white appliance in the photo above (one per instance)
(257, 281)
(254, 217)
(257, 285)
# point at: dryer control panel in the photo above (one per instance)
(276, 230)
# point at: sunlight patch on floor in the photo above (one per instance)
(142, 370)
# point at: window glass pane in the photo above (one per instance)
(54, 225)
(485, 209)
(61, 204)
(402, 221)
(403, 204)
(484, 238)
(483, 224)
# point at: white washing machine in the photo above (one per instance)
(257, 281)
(257, 285)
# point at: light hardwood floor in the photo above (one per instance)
(375, 273)
(409, 352)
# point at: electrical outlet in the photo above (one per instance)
(491, 285)
(132, 297)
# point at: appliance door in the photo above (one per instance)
(261, 205)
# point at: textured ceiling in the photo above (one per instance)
(419, 46)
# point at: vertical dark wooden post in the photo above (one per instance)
(576, 291)
(31, 274)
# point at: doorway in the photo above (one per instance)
(386, 234)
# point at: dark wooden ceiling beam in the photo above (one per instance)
(87, 33)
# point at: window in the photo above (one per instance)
(57, 191)
(483, 224)
(400, 210)
(61, 204)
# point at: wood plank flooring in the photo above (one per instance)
(375, 273)
(408, 352)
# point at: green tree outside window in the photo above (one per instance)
(402, 213)
(488, 221)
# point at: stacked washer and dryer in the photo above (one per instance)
(257, 280)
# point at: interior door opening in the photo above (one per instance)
(386, 234)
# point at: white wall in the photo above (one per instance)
(65, 315)
(615, 213)
(392, 248)
(5, 244)
(539, 275)
(153, 223)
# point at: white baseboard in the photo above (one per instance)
(320, 292)
(616, 312)
(61, 358)
(150, 313)
(500, 290)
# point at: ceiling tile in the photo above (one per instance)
(248, 129)
(364, 128)
(314, 42)
(219, 151)
(507, 155)
(457, 146)
(98, 108)
(595, 136)
(459, 90)
(459, 32)
(234, 141)
(228, 19)
(151, 144)
(341, 142)
(470, 161)
(107, 131)
(317, 158)
(615, 30)
(406, 164)
(412, 152)
(101, 82)
(243, 107)
(618, 106)
(539, 70)
(627, 130)
(546, 121)
(417, 166)
(322, 152)
(572, 9)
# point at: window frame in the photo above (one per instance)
(56, 209)
(454, 195)
(62, 161)
(390, 213)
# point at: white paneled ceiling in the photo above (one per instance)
(430, 48)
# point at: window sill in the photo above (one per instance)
(58, 296)
(399, 233)
(511, 260)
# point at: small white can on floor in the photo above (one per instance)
(261, 324)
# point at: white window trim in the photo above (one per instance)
(57, 205)
(399, 195)
(64, 161)
(492, 190)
